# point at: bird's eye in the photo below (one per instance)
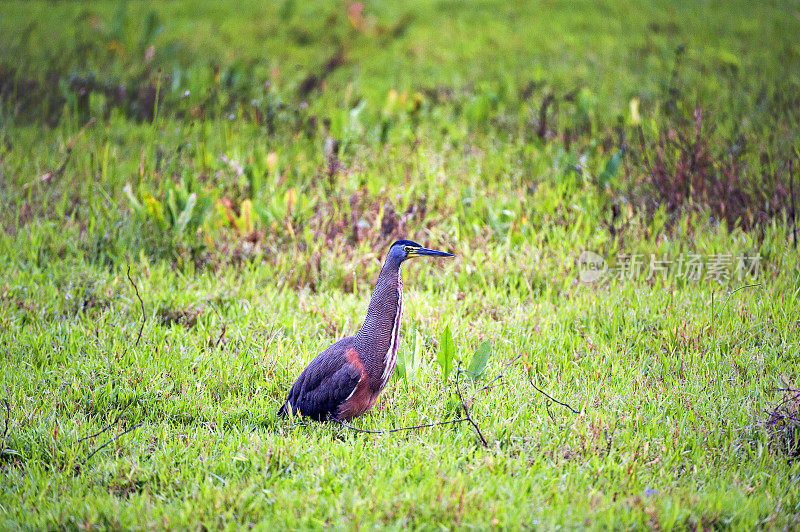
(408, 249)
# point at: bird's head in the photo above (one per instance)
(405, 249)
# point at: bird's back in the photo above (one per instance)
(328, 381)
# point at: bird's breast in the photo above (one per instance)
(390, 358)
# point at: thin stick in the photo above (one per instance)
(565, 405)
(115, 438)
(550, 413)
(611, 438)
(109, 425)
(8, 417)
(791, 195)
(541, 128)
(449, 422)
(736, 290)
(466, 410)
(70, 147)
(138, 338)
(400, 429)
(221, 336)
(141, 327)
(499, 376)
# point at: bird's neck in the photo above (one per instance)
(380, 333)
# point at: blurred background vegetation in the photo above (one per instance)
(290, 121)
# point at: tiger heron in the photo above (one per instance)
(345, 380)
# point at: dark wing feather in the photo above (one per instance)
(324, 385)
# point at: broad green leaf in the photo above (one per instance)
(172, 207)
(478, 363)
(186, 214)
(246, 218)
(611, 168)
(289, 199)
(137, 207)
(447, 351)
(155, 211)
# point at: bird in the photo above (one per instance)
(345, 380)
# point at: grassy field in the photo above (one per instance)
(249, 166)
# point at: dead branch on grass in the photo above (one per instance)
(565, 405)
(466, 409)
(125, 408)
(610, 439)
(8, 417)
(144, 317)
(221, 336)
(464, 404)
(688, 403)
(400, 429)
(98, 433)
(112, 440)
(498, 377)
(793, 213)
(60, 170)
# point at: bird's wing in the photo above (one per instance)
(324, 385)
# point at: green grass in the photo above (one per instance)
(669, 394)
(253, 249)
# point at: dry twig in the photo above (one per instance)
(8, 417)
(221, 336)
(794, 212)
(119, 416)
(96, 434)
(565, 405)
(688, 403)
(610, 439)
(466, 409)
(400, 429)
(144, 317)
(60, 170)
(467, 416)
(109, 442)
(498, 377)
(465, 405)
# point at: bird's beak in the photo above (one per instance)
(428, 252)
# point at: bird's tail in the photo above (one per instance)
(286, 410)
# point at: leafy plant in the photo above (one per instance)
(479, 360)
(610, 170)
(182, 210)
(285, 204)
(243, 223)
(447, 352)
